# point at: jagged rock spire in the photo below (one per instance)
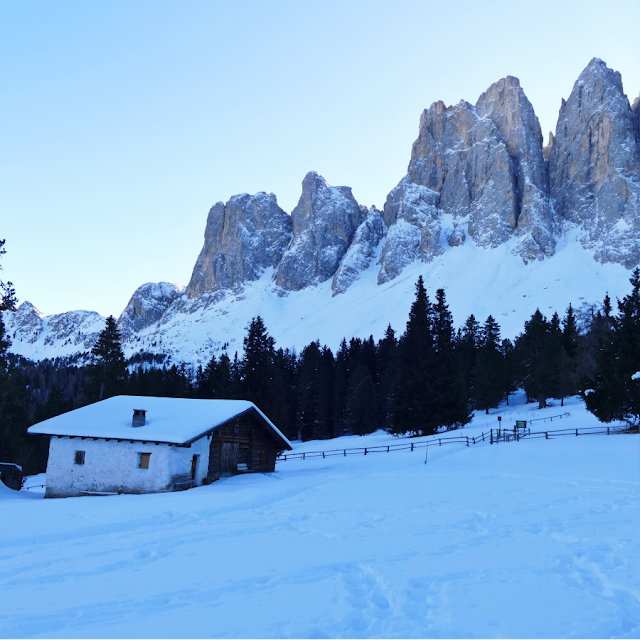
(242, 238)
(594, 166)
(506, 104)
(487, 164)
(324, 223)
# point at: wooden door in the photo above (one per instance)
(229, 459)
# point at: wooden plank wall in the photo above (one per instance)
(257, 447)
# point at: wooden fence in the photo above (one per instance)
(493, 436)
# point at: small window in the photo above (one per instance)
(144, 460)
(79, 459)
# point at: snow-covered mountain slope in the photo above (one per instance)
(485, 212)
(530, 539)
(478, 281)
(64, 334)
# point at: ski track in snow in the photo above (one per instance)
(534, 538)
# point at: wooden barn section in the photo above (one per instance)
(244, 444)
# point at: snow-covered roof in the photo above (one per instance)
(11, 464)
(170, 420)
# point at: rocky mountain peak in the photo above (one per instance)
(594, 166)
(242, 238)
(146, 306)
(506, 104)
(26, 320)
(486, 164)
(324, 223)
(546, 150)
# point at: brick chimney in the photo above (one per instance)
(139, 418)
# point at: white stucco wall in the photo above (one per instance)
(113, 466)
(180, 459)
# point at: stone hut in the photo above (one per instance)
(137, 444)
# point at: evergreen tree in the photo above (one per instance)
(615, 387)
(567, 375)
(386, 357)
(536, 356)
(489, 372)
(508, 359)
(286, 362)
(340, 384)
(14, 412)
(532, 349)
(468, 343)
(315, 401)
(260, 378)
(570, 334)
(450, 402)
(327, 428)
(413, 388)
(57, 403)
(362, 410)
(108, 372)
(595, 327)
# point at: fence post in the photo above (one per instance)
(491, 437)
(365, 451)
(412, 446)
(345, 453)
(303, 456)
(323, 454)
(576, 432)
(387, 448)
(607, 430)
(439, 442)
(546, 435)
(467, 441)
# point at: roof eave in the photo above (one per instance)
(149, 440)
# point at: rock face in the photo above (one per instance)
(242, 238)
(546, 150)
(511, 112)
(463, 158)
(487, 164)
(411, 215)
(594, 166)
(324, 223)
(26, 322)
(361, 252)
(146, 306)
(57, 335)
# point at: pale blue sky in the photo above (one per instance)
(125, 121)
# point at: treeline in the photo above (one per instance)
(428, 379)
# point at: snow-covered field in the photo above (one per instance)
(534, 538)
